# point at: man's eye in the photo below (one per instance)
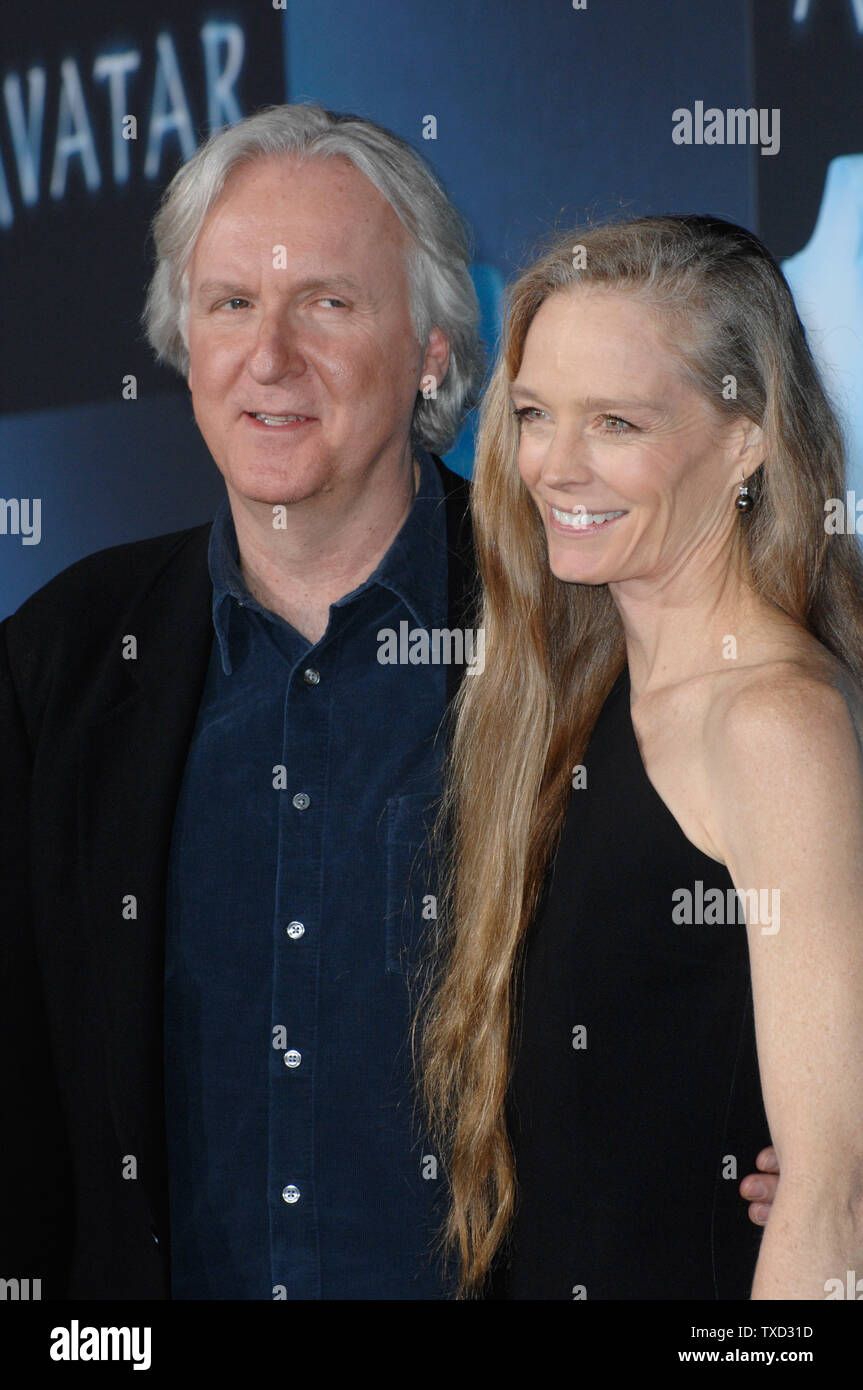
(620, 425)
(233, 302)
(331, 299)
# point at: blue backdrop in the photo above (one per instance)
(543, 113)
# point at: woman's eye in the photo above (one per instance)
(234, 301)
(612, 424)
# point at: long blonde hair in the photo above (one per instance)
(554, 649)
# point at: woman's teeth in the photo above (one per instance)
(578, 520)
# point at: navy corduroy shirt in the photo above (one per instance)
(296, 1168)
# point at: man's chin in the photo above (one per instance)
(277, 492)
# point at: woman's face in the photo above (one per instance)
(633, 472)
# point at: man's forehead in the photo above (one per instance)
(273, 201)
(291, 186)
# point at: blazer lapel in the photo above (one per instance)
(132, 760)
(461, 564)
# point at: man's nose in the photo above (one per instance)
(275, 352)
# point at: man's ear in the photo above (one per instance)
(436, 361)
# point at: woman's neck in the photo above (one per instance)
(703, 618)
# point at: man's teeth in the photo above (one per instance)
(278, 419)
(577, 519)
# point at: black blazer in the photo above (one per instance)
(93, 752)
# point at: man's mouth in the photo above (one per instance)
(278, 419)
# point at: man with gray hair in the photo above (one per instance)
(215, 795)
(228, 789)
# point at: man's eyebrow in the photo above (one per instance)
(207, 289)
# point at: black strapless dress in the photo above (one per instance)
(635, 1106)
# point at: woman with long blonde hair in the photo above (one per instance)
(652, 929)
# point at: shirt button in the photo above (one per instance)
(293, 1058)
(302, 801)
(295, 930)
(311, 676)
(290, 1193)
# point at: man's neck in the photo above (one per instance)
(300, 571)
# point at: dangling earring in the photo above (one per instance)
(743, 501)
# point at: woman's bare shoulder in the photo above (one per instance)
(805, 703)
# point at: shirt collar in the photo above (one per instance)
(414, 567)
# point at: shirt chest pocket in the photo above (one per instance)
(411, 906)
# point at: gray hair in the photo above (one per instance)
(441, 290)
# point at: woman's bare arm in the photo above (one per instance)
(787, 775)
